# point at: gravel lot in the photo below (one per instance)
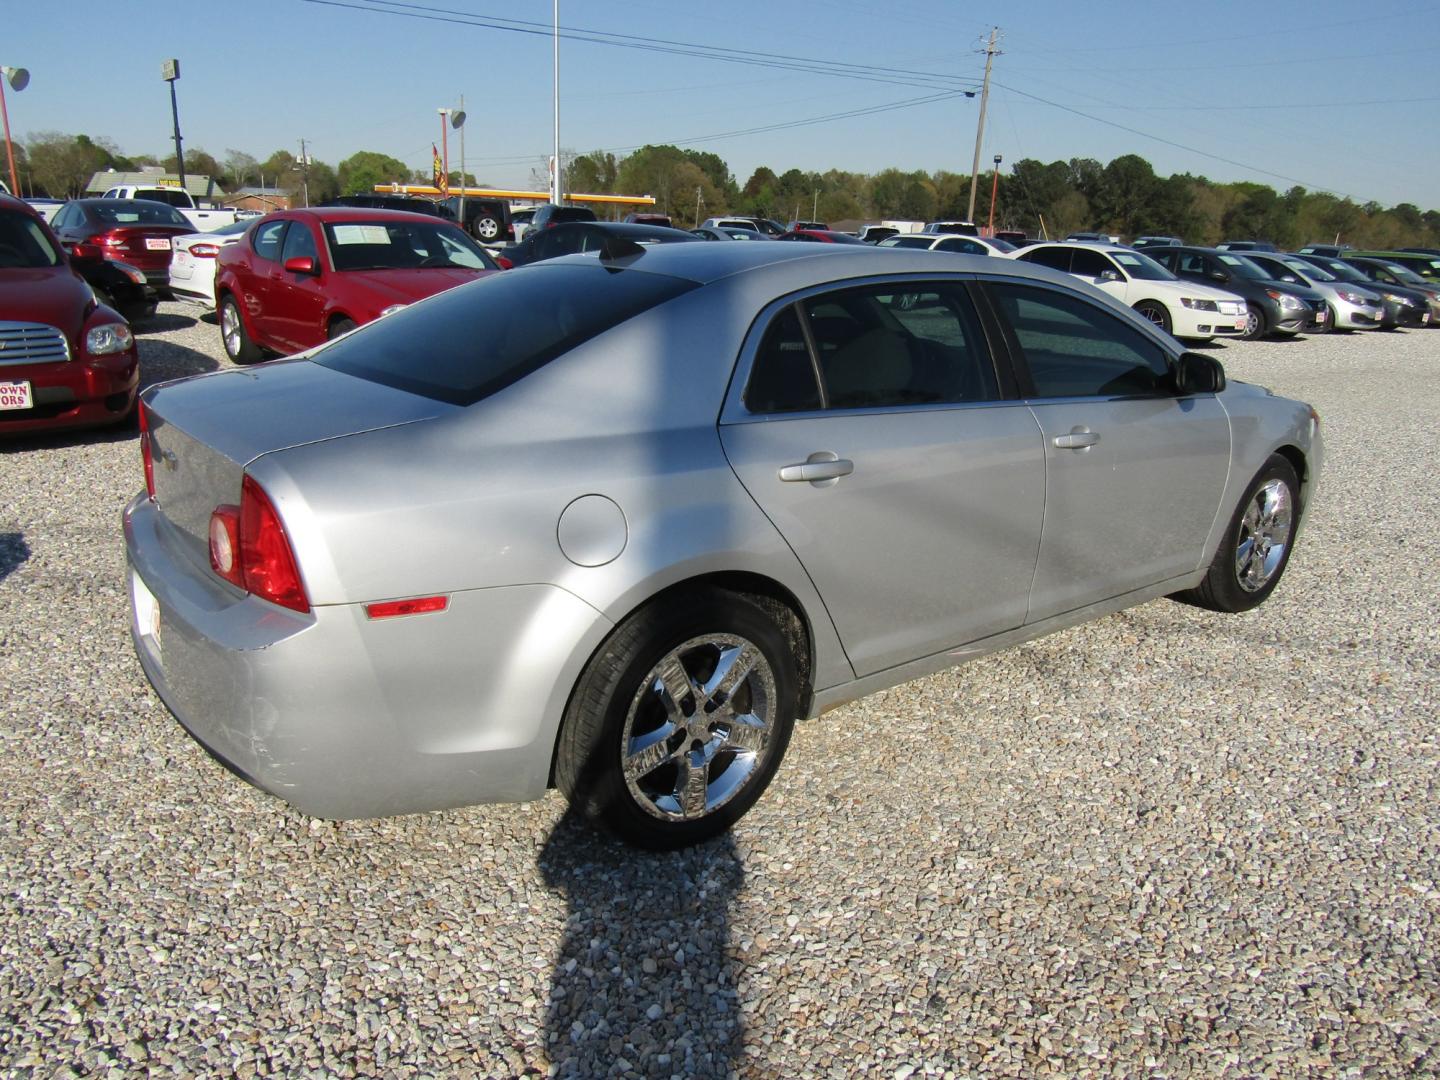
(1169, 843)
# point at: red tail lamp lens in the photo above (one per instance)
(204, 251)
(225, 544)
(146, 454)
(265, 552)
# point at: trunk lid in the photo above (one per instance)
(145, 246)
(204, 431)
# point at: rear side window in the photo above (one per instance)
(882, 346)
(472, 341)
(1057, 258)
(1074, 348)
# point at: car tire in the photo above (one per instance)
(664, 772)
(1255, 324)
(340, 326)
(238, 346)
(1156, 312)
(1256, 546)
(488, 229)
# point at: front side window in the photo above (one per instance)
(299, 244)
(880, 346)
(1057, 258)
(1074, 348)
(266, 240)
(1091, 264)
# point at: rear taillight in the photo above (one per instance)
(146, 455)
(108, 242)
(204, 251)
(250, 548)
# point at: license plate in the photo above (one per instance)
(152, 244)
(16, 395)
(1239, 324)
(1321, 316)
(147, 609)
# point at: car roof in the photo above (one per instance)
(1108, 249)
(360, 213)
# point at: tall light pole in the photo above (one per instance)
(170, 72)
(18, 78)
(994, 191)
(444, 152)
(457, 120)
(990, 51)
(555, 169)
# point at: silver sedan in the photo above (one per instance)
(613, 523)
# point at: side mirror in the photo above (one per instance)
(1218, 275)
(302, 264)
(1108, 275)
(1196, 373)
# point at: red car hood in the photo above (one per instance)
(388, 287)
(52, 295)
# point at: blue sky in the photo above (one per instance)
(1335, 96)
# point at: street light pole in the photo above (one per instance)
(555, 169)
(994, 191)
(18, 78)
(170, 72)
(444, 151)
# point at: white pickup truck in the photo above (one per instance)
(204, 220)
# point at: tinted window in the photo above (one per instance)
(1091, 264)
(138, 212)
(299, 243)
(23, 243)
(783, 376)
(266, 239)
(469, 342)
(1074, 348)
(1057, 258)
(877, 347)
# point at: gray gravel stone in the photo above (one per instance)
(1167, 844)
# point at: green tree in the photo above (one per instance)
(240, 169)
(360, 172)
(63, 164)
(593, 172)
(197, 163)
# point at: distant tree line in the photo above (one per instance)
(1125, 197)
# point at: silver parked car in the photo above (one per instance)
(465, 553)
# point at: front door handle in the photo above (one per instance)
(823, 468)
(1079, 439)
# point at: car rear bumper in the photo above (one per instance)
(73, 394)
(344, 717)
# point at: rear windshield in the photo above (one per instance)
(23, 244)
(470, 342)
(137, 212)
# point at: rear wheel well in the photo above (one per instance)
(779, 602)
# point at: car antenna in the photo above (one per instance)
(619, 247)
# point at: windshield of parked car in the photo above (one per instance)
(1342, 270)
(1141, 266)
(403, 245)
(24, 245)
(467, 343)
(137, 212)
(1309, 271)
(1401, 273)
(1245, 268)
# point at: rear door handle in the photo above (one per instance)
(819, 468)
(1078, 439)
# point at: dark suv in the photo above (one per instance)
(1271, 307)
(410, 203)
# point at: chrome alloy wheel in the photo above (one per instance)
(1252, 324)
(1264, 535)
(699, 727)
(230, 329)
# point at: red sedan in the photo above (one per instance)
(301, 277)
(65, 360)
(138, 232)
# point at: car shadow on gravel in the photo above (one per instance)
(161, 361)
(644, 971)
(13, 552)
(162, 322)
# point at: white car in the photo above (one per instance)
(193, 258)
(963, 245)
(1185, 309)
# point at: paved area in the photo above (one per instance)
(1166, 844)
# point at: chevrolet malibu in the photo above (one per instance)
(718, 488)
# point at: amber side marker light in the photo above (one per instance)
(422, 605)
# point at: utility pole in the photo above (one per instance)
(697, 205)
(555, 178)
(990, 51)
(304, 173)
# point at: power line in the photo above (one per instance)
(1172, 142)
